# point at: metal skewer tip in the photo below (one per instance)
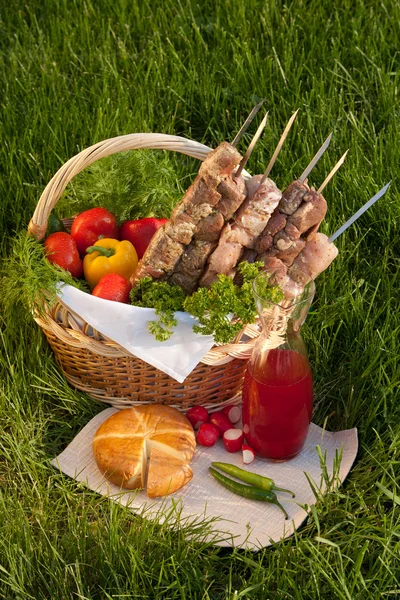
(251, 146)
(331, 174)
(279, 146)
(362, 210)
(316, 158)
(247, 122)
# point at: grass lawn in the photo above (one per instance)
(76, 72)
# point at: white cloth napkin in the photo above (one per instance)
(245, 523)
(127, 326)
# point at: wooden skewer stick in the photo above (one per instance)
(360, 211)
(316, 158)
(250, 149)
(279, 146)
(331, 174)
(247, 122)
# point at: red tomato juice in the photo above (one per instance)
(277, 404)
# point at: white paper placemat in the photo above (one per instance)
(247, 523)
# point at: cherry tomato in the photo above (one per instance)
(140, 231)
(92, 225)
(61, 250)
(113, 286)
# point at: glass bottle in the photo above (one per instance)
(278, 390)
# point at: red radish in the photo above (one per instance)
(221, 421)
(197, 415)
(208, 434)
(233, 412)
(248, 454)
(233, 439)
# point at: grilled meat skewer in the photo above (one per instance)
(167, 245)
(249, 221)
(304, 209)
(316, 256)
(189, 268)
(193, 260)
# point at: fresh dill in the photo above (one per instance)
(29, 280)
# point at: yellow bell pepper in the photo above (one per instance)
(109, 256)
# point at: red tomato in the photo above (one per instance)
(91, 225)
(61, 250)
(113, 287)
(140, 231)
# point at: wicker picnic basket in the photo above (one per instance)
(102, 368)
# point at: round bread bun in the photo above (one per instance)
(151, 444)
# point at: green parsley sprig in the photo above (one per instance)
(222, 311)
(225, 308)
(165, 299)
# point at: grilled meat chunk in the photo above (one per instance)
(191, 265)
(249, 255)
(310, 213)
(285, 238)
(164, 256)
(276, 223)
(182, 229)
(293, 196)
(209, 229)
(257, 209)
(224, 258)
(287, 256)
(271, 263)
(233, 193)
(281, 277)
(317, 255)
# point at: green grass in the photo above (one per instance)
(75, 72)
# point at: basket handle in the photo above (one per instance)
(133, 141)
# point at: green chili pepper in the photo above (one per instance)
(265, 483)
(247, 491)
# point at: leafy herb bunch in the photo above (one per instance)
(222, 311)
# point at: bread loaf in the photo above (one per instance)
(132, 438)
(166, 474)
